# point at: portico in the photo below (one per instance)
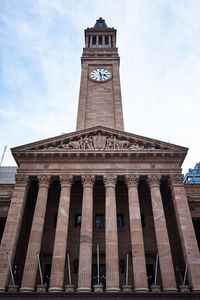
(112, 193)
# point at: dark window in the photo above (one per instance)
(2, 226)
(77, 220)
(142, 220)
(99, 221)
(94, 42)
(100, 42)
(192, 208)
(106, 42)
(75, 266)
(150, 274)
(196, 224)
(47, 273)
(102, 274)
(120, 221)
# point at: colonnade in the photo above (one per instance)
(185, 227)
(100, 41)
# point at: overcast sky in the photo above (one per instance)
(41, 44)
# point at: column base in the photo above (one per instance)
(155, 288)
(184, 288)
(170, 290)
(126, 288)
(70, 288)
(13, 288)
(55, 289)
(83, 289)
(41, 288)
(27, 289)
(113, 290)
(98, 288)
(141, 290)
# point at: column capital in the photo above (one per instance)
(110, 180)
(132, 180)
(66, 180)
(22, 180)
(153, 180)
(44, 180)
(88, 180)
(176, 179)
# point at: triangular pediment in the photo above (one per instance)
(98, 138)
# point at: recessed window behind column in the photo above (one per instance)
(120, 220)
(94, 42)
(106, 42)
(77, 220)
(100, 42)
(99, 221)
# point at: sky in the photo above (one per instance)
(41, 43)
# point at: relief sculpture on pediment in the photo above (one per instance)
(98, 141)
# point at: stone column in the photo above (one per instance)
(103, 41)
(137, 243)
(91, 36)
(114, 41)
(31, 262)
(85, 252)
(186, 230)
(109, 41)
(163, 246)
(87, 41)
(12, 227)
(112, 259)
(97, 40)
(60, 243)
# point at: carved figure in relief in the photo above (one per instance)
(123, 144)
(115, 143)
(88, 143)
(98, 141)
(136, 146)
(109, 143)
(74, 144)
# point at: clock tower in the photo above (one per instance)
(100, 93)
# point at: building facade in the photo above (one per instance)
(98, 207)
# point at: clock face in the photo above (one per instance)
(100, 75)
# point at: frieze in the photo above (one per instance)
(98, 141)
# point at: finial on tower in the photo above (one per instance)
(100, 23)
